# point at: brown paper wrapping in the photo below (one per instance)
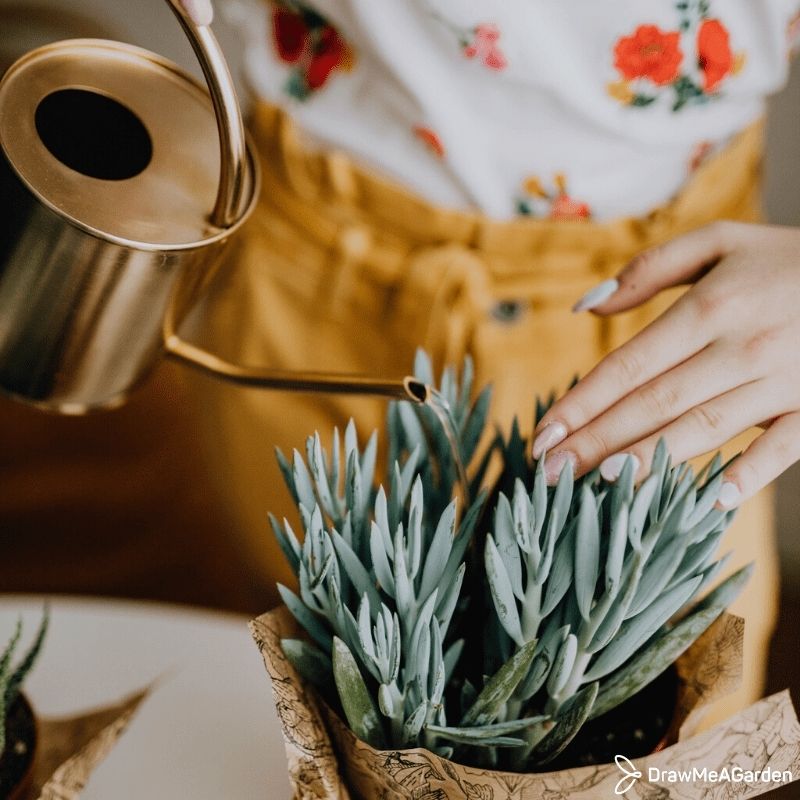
(327, 762)
(70, 748)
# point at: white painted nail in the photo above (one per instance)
(596, 296)
(611, 468)
(555, 463)
(552, 434)
(201, 12)
(729, 495)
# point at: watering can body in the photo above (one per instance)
(111, 161)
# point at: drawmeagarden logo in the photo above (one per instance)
(702, 775)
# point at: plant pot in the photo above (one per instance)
(16, 764)
(327, 762)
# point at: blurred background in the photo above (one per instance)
(161, 532)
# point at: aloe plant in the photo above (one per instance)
(568, 592)
(12, 676)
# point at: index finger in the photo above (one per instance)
(668, 341)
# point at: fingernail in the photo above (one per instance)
(612, 466)
(729, 495)
(552, 434)
(201, 12)
(555, 463)
(596, 296)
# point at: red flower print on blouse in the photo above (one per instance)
(652, 66)
(291, 34)
(564, 207)
(552, 202)
(649, 53)
(714, 55)
(328, 55)
(311, 45)
(431, 140)
(484, 47)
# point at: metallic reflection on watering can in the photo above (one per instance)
(110, 159)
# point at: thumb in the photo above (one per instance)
(201, 12)
(681, 260)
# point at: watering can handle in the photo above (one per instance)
(232, 148)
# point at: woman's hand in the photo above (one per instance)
(200, 11)
(724, 358)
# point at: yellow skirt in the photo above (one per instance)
(342, 270)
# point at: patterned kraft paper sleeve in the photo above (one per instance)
(70, 748)
(764, 736)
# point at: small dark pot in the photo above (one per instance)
(16, 764)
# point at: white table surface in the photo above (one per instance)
(208, 732)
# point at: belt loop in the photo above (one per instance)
(349, 250)
(338, 170)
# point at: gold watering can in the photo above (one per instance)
(120, 186)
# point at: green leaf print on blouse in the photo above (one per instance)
(652, 62)
(311, 45)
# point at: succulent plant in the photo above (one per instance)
(568, 592)
(13, 676)
(593, 572)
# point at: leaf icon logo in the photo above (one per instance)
(629, 774)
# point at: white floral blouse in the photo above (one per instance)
(566, 110)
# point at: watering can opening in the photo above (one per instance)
(93, 134)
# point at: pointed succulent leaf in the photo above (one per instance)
(475, 424)
(710, 573)
(448, 600)
(562, 668)
(386, 701)
(16, 679)
(639, 510)
(310, 662)
(637, 630)
(652, 661)
(302, 482)
(473, 736)
(555, 523)
(287, 541)
(413, 724)
(615, 616)
(439, 551)
(310, 622)
(587, 552)
(506, 542)
(721, 597)
(561, 574)
(359, 710)
(500, 687)
(422, 628)
(616, 550)
(657, 575)
(319, 471)
(539, 501)
(462, 539)
(414, 531)
(451, 657)
(569, 720)
(356, 572)
(8, 652)
(500, 586)
(368, 458)
(380, 560)
(286, 472)
(403, 589)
